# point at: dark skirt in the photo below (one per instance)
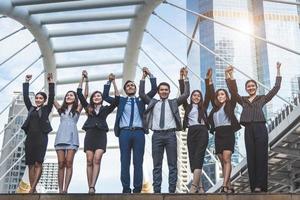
(197, 141)
(35, 148)
(95, 139)
(224, 139)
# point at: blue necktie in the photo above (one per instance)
(132, 112)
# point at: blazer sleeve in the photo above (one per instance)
(145, 97)
(212, 95)
(183, 97)
(113, 105)
(153, 90)
(207, 94)
(81, 98)
(181, 88)
(26, 96)
(105, 94)
(274, 90)
(232, 87)
(51, 97)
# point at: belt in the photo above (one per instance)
(132, 128)
(165, 131)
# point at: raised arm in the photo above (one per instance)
(277, 85)
(81, 98)
(145, 97)
(84, 77)
(26, 92)
(181, 87)
(183, 97)
(56, 105)
(232, 86)
(208, 85)
(51, 92)
(106, 89)
(153, 90)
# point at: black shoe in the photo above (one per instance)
(230, 190)
(224, 189)
(126, 191)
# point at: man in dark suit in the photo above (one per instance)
(162, 117)
(130, 129)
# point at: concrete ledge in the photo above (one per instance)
(150, 197)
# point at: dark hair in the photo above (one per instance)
(91, 106)
(43, 94)
(128, 81)
(200, 104)
(227, 103)
(161, 84)
(249, 81)
(64, 105)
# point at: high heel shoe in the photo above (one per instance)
(195, 187)
(224, 189)
(230, 190)
(92, 190)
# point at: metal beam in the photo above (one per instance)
(80, 5)
(85, 47)
(88, 31)
(90, 62)
(86, 17)
(34, 2)
(99, 77)
(135, 37)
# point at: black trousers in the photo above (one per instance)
(256, 140)
(197, 141)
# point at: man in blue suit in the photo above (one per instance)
(130, 129)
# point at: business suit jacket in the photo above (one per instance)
(253, 111)
(96, 120)
(228, 108)
(121, 102)
(174, 103)
(202, 114)
(43, 112)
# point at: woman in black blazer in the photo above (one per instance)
(37, 126)
(195, 119)
(224, 123)
(96, 128)
(256, 134)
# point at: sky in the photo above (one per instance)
(109, 178)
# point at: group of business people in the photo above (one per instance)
(162, 116)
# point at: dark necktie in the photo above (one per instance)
(132, 112)
(162, 115)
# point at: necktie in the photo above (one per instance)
(162, 115)
(132, 112)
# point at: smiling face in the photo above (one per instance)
(251, 87)
(70, 98)
(97, 98)
(39, 100)
(196, 97)
(221, 96)
(163, 91)
(130, 88)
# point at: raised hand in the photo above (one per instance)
(209, 73)
(28, 77)
(50, 78)
(84, 74)
(278, 65)
(111, 77)
(146, 72)
(185, 72)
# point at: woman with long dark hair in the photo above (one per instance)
(96, 128)
(36, 127)
(224, 124)
(67, 140)
(195, 119)
(256, 134)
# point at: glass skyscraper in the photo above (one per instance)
(279, 23)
